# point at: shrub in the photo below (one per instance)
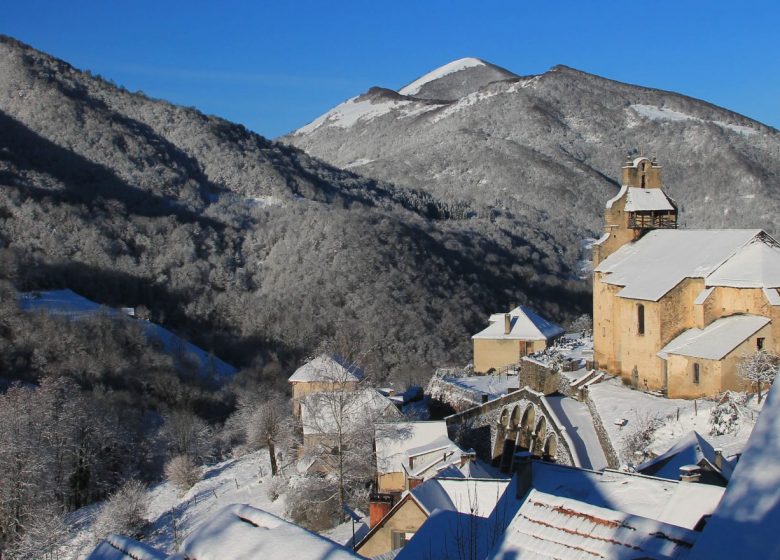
(123, 513)
(182, 472)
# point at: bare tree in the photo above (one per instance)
(269, 424)
(759, 369)
(338, 425)
(124, 512)
(182, 471)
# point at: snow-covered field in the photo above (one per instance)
(172, 516)
(614, 401)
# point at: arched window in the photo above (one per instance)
(640, 319)
(643, 180)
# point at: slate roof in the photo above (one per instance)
(549, 526)
(691, 449)
(716, 340)
(327, 367)
(241, 531)
(525, 325)
(650, 267)
(645, 200)
(397, 442)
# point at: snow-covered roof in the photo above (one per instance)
(747, 519)
(465, 495)
(396, 442)
(449, 68)
(240, 531)
(650, 267)
(644, 200)
(322, 412)
(756, 265)
(524, 323)
(703, 295)
(117, 547)
(549, 526)
(691, 449)
(327, 367)
(772, 296)
(677, 503)
(717, 339)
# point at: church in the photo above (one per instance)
(675, 310)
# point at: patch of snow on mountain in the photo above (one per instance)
(354, 110)
(358, 162)
(663, 114)
(479, 96)
(450, 68)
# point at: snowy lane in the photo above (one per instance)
(576, 418)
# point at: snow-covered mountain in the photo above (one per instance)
(549, 147)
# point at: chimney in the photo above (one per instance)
(718, 458)
(414, 482)
(379, 506)
(690, 473)
(468, 457)
(522, 469)
(507, 323)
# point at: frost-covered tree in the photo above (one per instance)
(759, 369)
(123, 513)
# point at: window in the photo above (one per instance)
(759, 344)
(640, 319)
(643, 181)
(400, 538)
(696, 373)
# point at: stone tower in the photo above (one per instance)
(640, 206)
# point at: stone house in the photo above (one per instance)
(325, 373)
(675, 310)
(510, 336)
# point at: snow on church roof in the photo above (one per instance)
(643, 200)
(525, 325)
(327, 367)
(717, 339)
(650, 267)
(755, 266)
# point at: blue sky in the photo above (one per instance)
(276, 65)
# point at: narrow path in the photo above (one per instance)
(576, 418)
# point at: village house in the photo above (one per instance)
(675, 310)
(510, 336)
(476, 497)
(407, 453)
(326, 372)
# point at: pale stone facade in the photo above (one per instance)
(658, 288)
(511, 336)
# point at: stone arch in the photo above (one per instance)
(538, 436)
(514, 419)
(526, 426)
(550, 448)
(502, 421)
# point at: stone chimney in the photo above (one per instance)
(379, 506)
(522, 467)
(690, 473)
(718, 458)
(414, 482)
(507, 323)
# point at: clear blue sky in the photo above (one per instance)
(275, 65)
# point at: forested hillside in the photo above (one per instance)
(249, 248)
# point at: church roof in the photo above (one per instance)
(524, 323)
(756, 265)
(650, 267)
(643, 200)
(717, 339)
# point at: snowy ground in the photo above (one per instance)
(614, 401)
(172, 516)
(576, 418)
(492, 385)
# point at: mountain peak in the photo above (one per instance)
(455, 79)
